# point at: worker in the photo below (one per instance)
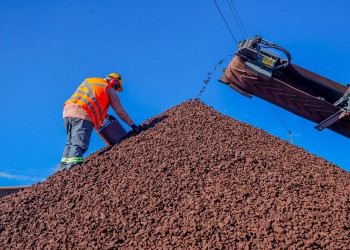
(87, 108)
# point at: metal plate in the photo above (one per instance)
(268, 61)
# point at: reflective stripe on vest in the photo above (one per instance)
(90, 94)
(85, 94)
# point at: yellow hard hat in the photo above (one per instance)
(119, 78)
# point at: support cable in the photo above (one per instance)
(225, 22)
(239, 18)
(239, 26)
(283, 123)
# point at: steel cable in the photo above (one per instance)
(283, 123)
(225, 22)
(239, 18)
(240, 29)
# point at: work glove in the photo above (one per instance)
(135, 129)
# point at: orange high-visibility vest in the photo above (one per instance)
(92, 96)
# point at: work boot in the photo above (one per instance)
(70, 165)
(61, 167)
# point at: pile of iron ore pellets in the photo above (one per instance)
(192, 178)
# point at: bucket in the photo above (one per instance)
(111, 132)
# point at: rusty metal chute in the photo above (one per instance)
(254, 71)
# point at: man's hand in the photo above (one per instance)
(110, 117)
(135, 128)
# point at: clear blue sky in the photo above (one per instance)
(164, 50)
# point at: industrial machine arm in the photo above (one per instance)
(257, 71)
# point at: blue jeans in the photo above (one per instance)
(78, 140)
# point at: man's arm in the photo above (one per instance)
(117, 106)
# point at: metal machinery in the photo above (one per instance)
(256, 71)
